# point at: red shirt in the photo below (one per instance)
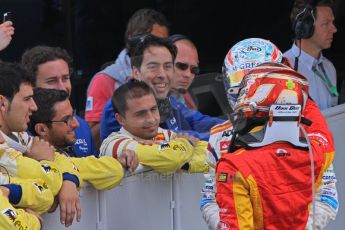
(100, 90)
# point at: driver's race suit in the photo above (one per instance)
(326, 196)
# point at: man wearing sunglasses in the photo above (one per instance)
(152, 61)
(186, 68)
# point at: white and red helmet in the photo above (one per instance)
(269, 84)
(244, 56)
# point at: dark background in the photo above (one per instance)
(92, 31)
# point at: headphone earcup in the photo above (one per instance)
(304, 24)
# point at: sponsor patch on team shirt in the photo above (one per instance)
(333, 203)
(223, 225)
(224, 145)
(89, 104)
(48, 169)
(159, 137)
(173, 120)
(176, 147)
(222, 177)
(164, 146)
(282, 153)
(179, 147)
(80, 141)
(11, 215)
(40, 186)
(227, 133)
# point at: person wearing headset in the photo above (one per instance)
(314, 28)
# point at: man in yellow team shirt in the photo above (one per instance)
(55, 123)
(161, 149)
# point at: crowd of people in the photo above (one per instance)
(139, 112)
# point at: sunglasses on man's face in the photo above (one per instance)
(183, 66)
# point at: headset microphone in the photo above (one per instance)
(179, 90)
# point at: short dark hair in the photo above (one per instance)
(299, 6)
(137, 51)
(130, 90)
(142, 21)
(12, 75)
(38, 55)
(45, 100)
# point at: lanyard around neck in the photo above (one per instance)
(324, 77)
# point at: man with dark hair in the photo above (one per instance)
(105, 82)
(146, 20)
(167, 152)
(132, 91)
(46, 100)
(28, 168)
(152, 61)
(51, 67)
(54, 122)
(314, 29)
(17, 107)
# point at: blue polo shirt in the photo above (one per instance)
(84, 144)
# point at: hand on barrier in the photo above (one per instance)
(197, 163)
(192, 140)
(54, 205)
(69, 203)
(148, 142)
(129, 160)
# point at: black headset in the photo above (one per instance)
(176, 37)
(303, 25)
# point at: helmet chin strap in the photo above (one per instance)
(282, 124)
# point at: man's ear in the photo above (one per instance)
(136, 73)
(2, 103)
(42, 130)
(120, 118)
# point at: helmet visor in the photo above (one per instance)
(233, 83)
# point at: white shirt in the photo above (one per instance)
(318, 89)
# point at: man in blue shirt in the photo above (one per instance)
(51, 68)
(152, 61)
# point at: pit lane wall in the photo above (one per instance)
(149, 200)
(336, 121)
